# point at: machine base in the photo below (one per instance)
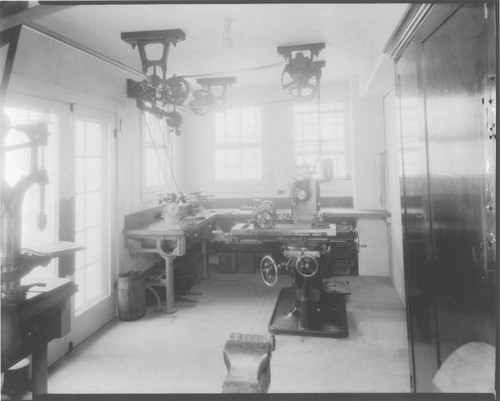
(330, 321)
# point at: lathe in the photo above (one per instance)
(315, 303)
(33, 312)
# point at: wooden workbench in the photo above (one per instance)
(28, 326)
(144, 232)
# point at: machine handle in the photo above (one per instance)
(357, 245)
(269, 271)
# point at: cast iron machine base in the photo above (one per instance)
(325, 318)
(315, 304)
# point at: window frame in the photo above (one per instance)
(331, 107)
(237, 184)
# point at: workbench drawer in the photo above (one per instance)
(227, 262)
(246, 262)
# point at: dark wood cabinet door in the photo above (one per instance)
(421, 316)
(456, 77)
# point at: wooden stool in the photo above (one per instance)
(16, 379)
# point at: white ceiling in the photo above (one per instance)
(350, 31)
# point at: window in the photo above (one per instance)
(238, 145)
(320, 135)
(156, 168)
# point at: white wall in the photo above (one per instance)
(393, 193)
(368, 143)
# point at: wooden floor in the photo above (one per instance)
(182, 352)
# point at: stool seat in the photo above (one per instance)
(469, 369)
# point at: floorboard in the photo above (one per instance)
(182, 352)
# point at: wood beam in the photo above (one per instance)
(29, 15)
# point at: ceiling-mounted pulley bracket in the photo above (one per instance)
(313, 48)
(221, 82)
(213, 92)
(143, 38)
(302, 75)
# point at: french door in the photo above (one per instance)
(91, 182)
(80, 160)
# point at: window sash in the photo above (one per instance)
(321, 137)
(156, 151)
(238, 146)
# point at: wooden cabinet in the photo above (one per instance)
(445, 81)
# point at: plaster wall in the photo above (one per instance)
(393, 194)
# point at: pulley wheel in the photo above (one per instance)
(265, 220)
(300, 86)
(307, 266)
(176, 91)
(269, 271)
(202, 103)
(174, 119)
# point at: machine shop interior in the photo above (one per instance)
(267, 198)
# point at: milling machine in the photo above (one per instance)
(315, 303)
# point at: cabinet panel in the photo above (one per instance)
(447, 93)
(455, 75)
(422, 326)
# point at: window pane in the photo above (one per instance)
(155, 167)
(93, 174)
(93, 202)
(94, 280)
(93, 137)
(239, 131)
(320, 133)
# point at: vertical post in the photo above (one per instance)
(39, 366)
(204, 254)
(169, 284)
(304, 306)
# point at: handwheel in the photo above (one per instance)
(269, 271)
(307, 266)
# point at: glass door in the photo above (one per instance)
(94, 303)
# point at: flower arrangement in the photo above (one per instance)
(178, 206)
(172, 197)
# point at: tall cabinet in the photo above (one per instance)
(445, 66)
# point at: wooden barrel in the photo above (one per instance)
(131, 296)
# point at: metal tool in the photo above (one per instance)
(248, 361)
